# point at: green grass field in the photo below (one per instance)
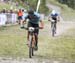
(13, 44)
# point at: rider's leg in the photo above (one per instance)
(33, 43)
(36, 40)
(28, 33)
(51, 24)
(55, 26)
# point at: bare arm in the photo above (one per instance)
(58, 18)
(41, 24)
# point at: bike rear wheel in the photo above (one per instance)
(53, 32)
(53, 29)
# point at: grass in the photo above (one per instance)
(13, 44)
(61, 47)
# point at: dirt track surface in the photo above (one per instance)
(34, 60)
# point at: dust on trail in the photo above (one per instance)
(64, 26)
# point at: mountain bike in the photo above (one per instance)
(31, 40)
(53, 27)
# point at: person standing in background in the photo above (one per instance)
(20, 14)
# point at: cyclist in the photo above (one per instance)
(34, 19)
(54, 16)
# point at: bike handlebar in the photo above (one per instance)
(31, 29)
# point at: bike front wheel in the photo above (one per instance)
(31, 50)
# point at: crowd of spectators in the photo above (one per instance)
(8, 16)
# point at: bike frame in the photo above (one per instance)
(31, 41)
(53, 28)
(32, 38)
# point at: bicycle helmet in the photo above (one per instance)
(53, 12)
(30, 11)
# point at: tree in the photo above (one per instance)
(33, 4)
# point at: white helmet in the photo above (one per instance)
(53, 12)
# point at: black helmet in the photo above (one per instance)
(30, 11)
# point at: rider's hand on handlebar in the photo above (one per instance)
(48, 20)
(58, 20)
(41, 27)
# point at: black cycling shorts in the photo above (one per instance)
(35, 26)
(19, 17)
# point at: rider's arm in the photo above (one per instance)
(41, 24)
(58, 17)
(50, 18)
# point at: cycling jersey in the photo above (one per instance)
(33, 18)
(54, 15)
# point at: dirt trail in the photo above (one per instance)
(53, 7)
(10, 60)
(64, 26)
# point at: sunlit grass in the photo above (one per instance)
(13, 42)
